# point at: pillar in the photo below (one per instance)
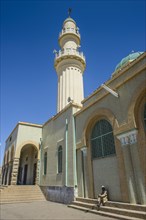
(37, 172)
(15, 171)
(80, 173)
(84, 166)
(135, 179)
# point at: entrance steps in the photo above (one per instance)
(19, 193)
(118, 210)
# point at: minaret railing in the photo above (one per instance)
(69, 51)
(70, 30)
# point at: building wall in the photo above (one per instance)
(58, 131)
(54, 135)
(28, 134)
(106, 172)
(118, 111)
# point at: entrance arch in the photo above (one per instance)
(102, 151)
(27, 165)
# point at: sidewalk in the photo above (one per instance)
(44, 211)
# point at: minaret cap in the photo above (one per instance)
(69, 19)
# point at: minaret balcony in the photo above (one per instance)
(70, 53)
(70, 31)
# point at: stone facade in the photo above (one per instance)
(126, 115)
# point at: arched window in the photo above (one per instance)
(102, 139)
(45, 163)
(145, 116)
(60, 159)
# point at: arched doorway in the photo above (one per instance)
(27, 165)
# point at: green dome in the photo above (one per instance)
(128, 59)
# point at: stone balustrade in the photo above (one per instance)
(70, 30)
(70, 51)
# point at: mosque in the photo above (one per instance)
(92, 141)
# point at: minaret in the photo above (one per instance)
(70, 65)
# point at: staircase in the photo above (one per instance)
(18, 193)
(116, 210)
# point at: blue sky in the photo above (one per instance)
(110, 30)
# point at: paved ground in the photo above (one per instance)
(44, 211)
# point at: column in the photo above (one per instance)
(15, 171)
(135, 178)
(84, 164)
(124, 139)
(37, 172)
(80, 173)
(139, 177)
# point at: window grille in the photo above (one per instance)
(102, 139)
(45, 163)
(60, 159)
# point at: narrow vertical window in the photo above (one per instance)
(45, 163)
(60, 159)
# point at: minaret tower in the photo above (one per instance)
(70, 65)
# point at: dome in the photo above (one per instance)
(128, 59)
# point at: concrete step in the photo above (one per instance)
(111, 215)
(23, 197)
(87, 200)
(128, 206)
(20, 201)
(126, 212)
(114, 208)
(20, 195)
(83, 204)
(14, 194)
(20, 192)
(22, 188)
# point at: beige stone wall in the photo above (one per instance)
(28, 134)
(54, 135)
(12, 139)
(124, 114)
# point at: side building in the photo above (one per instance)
(22, 155)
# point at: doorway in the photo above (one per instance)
(28, 163)
(34, 173)
(25, 174)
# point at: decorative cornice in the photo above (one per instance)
(108, 82)
(128, 138)
(106, 93)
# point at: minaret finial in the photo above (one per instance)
(69, 11)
